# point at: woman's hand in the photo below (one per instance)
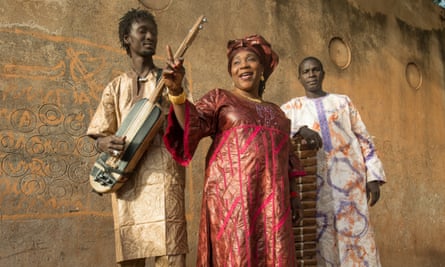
(173, 73)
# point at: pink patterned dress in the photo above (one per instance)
(246, 213)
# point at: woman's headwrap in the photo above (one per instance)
(258, 45)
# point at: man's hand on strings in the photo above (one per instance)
(173, 73)
(113, 145)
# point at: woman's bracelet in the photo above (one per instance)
(177, 99)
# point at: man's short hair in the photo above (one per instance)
(307, 59)
(134, 15)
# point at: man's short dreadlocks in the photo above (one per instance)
(128, 19)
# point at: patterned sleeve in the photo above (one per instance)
(374, 167)
(104, 120)
(200, 121)
(289, 109)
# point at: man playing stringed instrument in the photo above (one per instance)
(148, 210)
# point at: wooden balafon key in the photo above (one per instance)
(305, 233)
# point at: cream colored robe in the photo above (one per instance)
(149, 212)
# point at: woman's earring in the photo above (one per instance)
(262, 77)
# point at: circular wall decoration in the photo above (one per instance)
(413, 75)
(23, 120)
(339, 52)
(156, 5)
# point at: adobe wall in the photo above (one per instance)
(57, 56)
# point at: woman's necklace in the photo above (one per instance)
(257, 100)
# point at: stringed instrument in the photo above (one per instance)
(140, 126)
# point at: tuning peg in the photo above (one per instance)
(204, 20)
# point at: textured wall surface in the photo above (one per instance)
(57, 56)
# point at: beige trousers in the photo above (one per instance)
(161, 261)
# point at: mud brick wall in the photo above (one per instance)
(57, 56)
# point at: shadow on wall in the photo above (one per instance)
(437, 256)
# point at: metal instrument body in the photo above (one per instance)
(109, 173)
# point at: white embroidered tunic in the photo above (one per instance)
(346, 162)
